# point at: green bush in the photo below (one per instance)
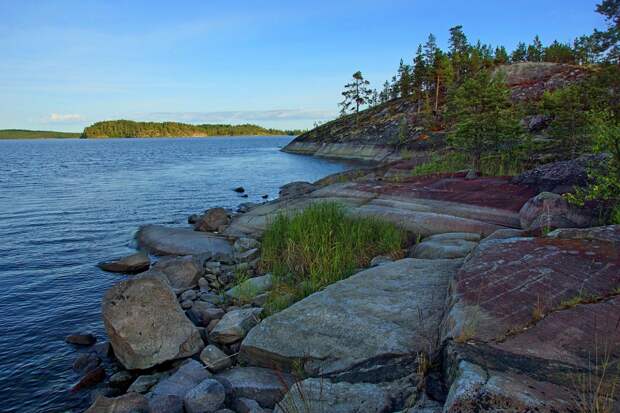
(320, 246)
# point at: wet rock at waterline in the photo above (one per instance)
(131, 264)
(128, 403)
(81, 339)
(213, 220)
(161, 240)
(146, 325)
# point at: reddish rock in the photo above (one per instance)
(91, 378)
(128, 403)
(529, 318)
(212, 220)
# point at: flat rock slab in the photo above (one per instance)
(383, 312)
(319, 395)
(161, 240)
(533, 320)
(433, 206)
(505, 280)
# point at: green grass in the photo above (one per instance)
(320, 246)
(495, 165)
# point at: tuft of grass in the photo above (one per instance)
(492, 165)
(320, 246)
(597, 386)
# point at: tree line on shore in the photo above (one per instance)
(462, 92)
(131, 129)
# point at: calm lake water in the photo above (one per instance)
(67, 204)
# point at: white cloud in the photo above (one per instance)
(241, 116)
(67, 117)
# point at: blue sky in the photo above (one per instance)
(66, 64)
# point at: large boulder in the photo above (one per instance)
(265, 386)
(530, 317)
(213, 219)
(131, 264)
(128, 403)
(161, 240)
(548, 211)
(319, 395)
(182, 272)
(145, 323)
(563, 176)
(376, 315)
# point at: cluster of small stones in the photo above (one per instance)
(212, 380)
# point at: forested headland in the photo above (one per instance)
(35, 134)
(131, 129)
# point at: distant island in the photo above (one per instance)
(130, 129)
(35, 134)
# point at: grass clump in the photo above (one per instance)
(320, 246)
(490, 165)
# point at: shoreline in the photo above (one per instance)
(224, 341)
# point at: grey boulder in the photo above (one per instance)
(182, 272)
(265, 386)
(251, 287)
(161, 240)
(235, 325)
(380, 313)
(188, 376)
(206, 397)
(146, 325)
(549, 211)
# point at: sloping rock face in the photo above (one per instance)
(370, 135)
(423, 205)
(145, 323)
(378, 314)
(531, 319)
(161, 240)
(529, 80)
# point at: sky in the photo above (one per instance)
(67, 64)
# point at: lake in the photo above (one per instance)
(67, 204)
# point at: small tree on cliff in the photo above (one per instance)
(356, 93)
(484, 121)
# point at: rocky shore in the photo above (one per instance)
(507, 301)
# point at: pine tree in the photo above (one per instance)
(356, 94)
(608, 41)
(420, 76)
(501, 56)
(459, 52)
(384, 96)
(519, 54)
(560, 53)
(483, 116)
(404, 79)
(535, 51)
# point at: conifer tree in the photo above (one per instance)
(420, 77)
(501, 56)
(356, 94)
(459, 52)
(519, 54)
(483, 116)
(535, 51)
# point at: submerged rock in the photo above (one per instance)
(132, 264)
(146, 325)
(81, 339)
